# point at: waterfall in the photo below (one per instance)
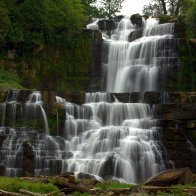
(34, 106)
(102, 137)
(138, 65)
(118, 140)
(112, 139)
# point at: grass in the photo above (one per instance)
(177, 191)
(111, 185)
(15, 184)
(9, 81)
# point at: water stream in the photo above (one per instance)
(102, 137)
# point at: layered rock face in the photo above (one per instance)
(175, 112)
(127, 136)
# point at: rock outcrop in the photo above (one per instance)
(136, 19)
(171, 177)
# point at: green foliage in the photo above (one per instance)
(171, 7)
(153, 9)
(15, 184)
(177, 7)
(90, 8)
(164, 19)
(33, 23)
(112, 184)
(190, 19)
(178, 190)
(110, 7)
(54, 67)
(186, 78)
(4, 22)
(9, 81)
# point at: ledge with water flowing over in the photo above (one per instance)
(128, 133)
(173, 56)
(53, 133)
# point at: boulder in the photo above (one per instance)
(180, 30)
(106, 25)
(136, 19)
(193, 42)
(138, 33)
(83, 175)
(118, 18)
(28, 159)
(171, 177)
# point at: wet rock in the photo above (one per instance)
(2, 170)
(136, 19)
(67, 174)
(186, 111)
(105, 25)
(107, 168)
(166, 111)
(135, 34)
(171, 177)
(181, 97)
(180, 30)
(49, 96)
(28, 159)
(152, 97)
(83, 175)
(191, 124)
(122, 97)
(135, 97)
(193, 42)
(3, 95)
(117, 18)
(76, 97)
(95, 69)
(24, 95)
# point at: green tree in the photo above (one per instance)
(153, 9)
(90, 8)
(177, 7)
(35, 23)
(172, 7)
(110, 7)
(4, 22)
(190, 19)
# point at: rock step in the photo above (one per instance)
(49, 97)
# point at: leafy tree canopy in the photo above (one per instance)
(109, 8)
(38, 22)
(172, 7)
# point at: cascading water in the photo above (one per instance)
(119, 140)
(138, 65)
(102, 137)
(112, 139)
(44, 147)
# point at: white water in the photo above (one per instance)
(107, 139)
(113, 140)
(138, 65)
(93, 25)
(119, 140)
(34, 107)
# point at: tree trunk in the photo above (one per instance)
(164, 6)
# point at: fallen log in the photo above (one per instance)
(155, 189)
(6, 193)
(61, 183)
(28, 192)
